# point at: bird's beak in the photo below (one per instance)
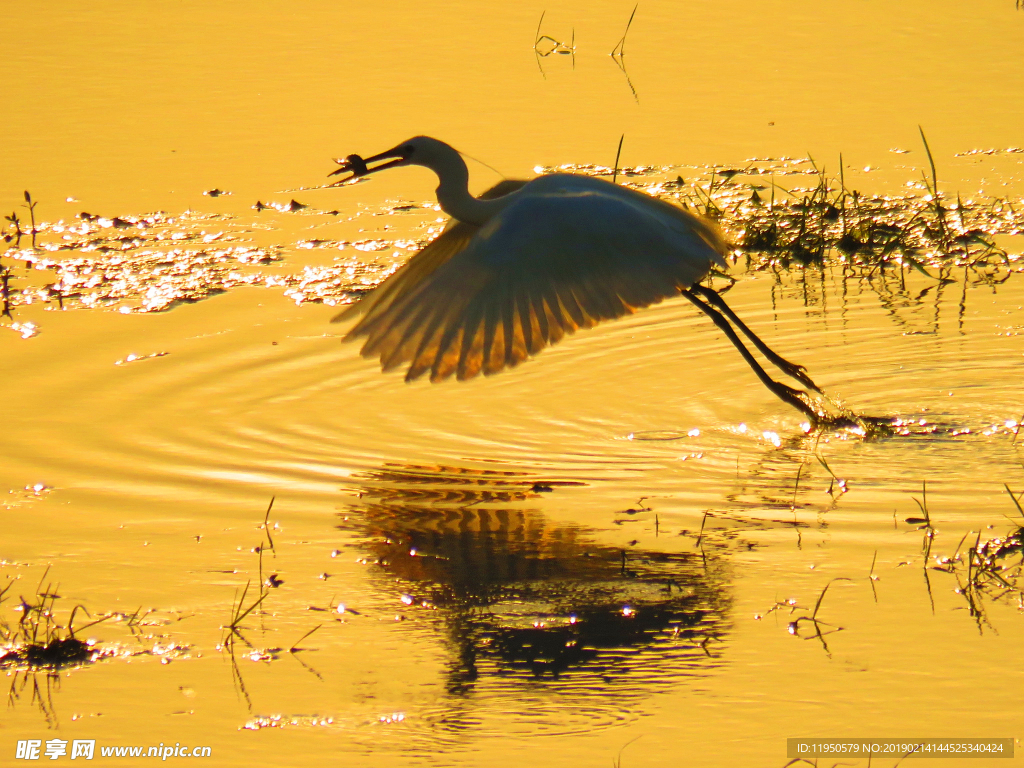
(359, 167)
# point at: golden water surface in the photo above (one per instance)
(598, 556)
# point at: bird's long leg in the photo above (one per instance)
(780, 390)
(798, 372)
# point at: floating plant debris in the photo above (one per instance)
(994, 151)
(133, 358)
(27, 330)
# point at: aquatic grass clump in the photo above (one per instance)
(989, 571)
(239, 610)
(37, 640)
(13, 219)
(618, 54)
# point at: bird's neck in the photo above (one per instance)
(454, 198)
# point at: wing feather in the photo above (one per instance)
(387, 339)
(438, 332)
(399, 347)
(541, 329)
(494, 340)
(446, 361)
(461, 333)
(598, 301)
(472, 353)
(559, 323)
(532, 340)
(515, 340)
(572, 309)
(491, 326)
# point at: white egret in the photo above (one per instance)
(530, 261)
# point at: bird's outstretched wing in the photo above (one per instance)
(545, 266)
(454, 238)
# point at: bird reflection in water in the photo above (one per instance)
(522, 596)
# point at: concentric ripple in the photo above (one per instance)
(256, 396)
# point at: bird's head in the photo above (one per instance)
(419, 150)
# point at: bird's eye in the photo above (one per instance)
(408, 149)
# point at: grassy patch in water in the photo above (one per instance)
(37, 640)
(989, 571)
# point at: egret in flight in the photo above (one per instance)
(528, 262)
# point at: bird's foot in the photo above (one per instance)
(799, 373)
